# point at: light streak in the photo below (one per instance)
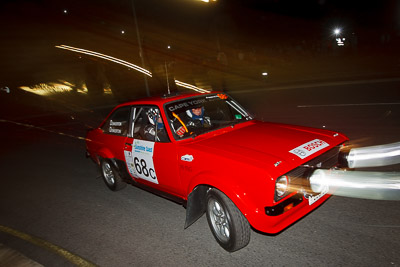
(106, 57)
(190, 86)
(314, 85)
(348, 105)
(44, 129)
(127, 64)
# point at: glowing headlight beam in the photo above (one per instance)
(106, 57)
(190, 86)
(358, 184)
(374, 156)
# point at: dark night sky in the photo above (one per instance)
(316, 17)
(370, 12)
(276, 29)
(273, 18)
(278, 19)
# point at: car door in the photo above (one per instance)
(151, 159)
(115, 131)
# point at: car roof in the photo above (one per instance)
(161, 100)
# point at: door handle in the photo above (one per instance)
(128, 145)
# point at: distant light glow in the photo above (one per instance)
(169, 47)
(109, 58)
(5, 89)
(340, 41)
(265, 74)
(45, 89)
(122, 32)
(337, 31)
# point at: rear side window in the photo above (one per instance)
(118, 122)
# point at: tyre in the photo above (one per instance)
(228, 225)
(111, 176)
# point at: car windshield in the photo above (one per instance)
(197, 115)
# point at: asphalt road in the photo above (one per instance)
(50, 191)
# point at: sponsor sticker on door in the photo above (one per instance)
(140, 160)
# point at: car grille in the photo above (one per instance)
(299, 176)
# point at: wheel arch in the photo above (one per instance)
(119, 166)
(196, 201)
(105, 153)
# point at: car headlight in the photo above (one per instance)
(281, 186)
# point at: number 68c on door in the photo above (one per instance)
(141, 161)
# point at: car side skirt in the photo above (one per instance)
(121, 166)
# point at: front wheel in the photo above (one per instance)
(111, 176)
(228, 225)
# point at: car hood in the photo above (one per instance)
(268, 143)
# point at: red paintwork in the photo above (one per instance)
(239, 161)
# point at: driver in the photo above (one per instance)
(190, 121)
(196, 118)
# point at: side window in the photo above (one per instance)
(118, 122)
(148, 124)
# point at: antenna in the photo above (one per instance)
(166, 72)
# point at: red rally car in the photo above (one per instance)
(206, 152)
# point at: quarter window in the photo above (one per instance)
(118, 122)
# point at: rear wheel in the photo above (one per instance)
(111, 176)
(228, 225)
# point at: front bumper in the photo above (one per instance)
(274, 219)
(284, 206)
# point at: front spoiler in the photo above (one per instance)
(284, 205)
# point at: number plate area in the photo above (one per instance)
(313, 199)
(140, 160)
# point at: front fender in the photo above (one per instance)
(233, 191)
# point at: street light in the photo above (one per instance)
(339, 39)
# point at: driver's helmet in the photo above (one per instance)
(190, 113)
(153, 115)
